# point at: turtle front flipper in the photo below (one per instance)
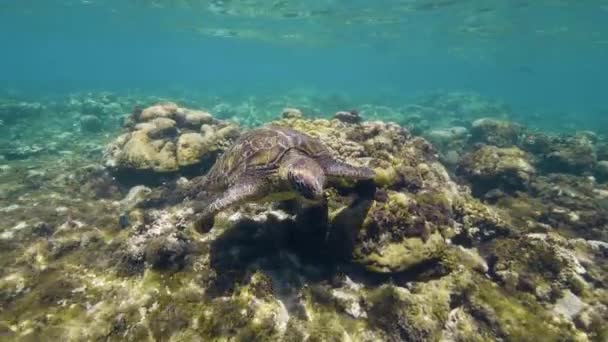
(242, 191)
(337, 169)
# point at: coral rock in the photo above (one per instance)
(158, 128)
(443, 138)
(570, 155)
(550, 253)
(495, 132)
(397, 234)
(601, 170)
(190, 148)
(491, 167)
(416, 314)
(161, 110)
(351, 117)
(135, 196)
(159, 243)
(569, 305)
(246, 314)
(479, 222)
(291, 113)
(194, 118)
(90, 123)
(12, 111)
(165, 138)
(142, 153)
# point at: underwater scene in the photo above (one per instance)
(290, 170)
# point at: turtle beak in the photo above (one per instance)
(312, 189)
(307, 185)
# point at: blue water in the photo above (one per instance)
(548, 56)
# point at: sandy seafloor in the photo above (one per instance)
(482, 226)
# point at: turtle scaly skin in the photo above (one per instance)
(272, 163)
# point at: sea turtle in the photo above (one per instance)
(272, 163)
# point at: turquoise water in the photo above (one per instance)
(547, 55)
(483, 122)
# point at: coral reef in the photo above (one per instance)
(506, 242)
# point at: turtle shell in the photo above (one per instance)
(261, 150)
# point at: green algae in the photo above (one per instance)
(324, 322)
(395, 257)
(385, 176)
(539, 265)
(415, 224)
(418, 314)
(519, 320)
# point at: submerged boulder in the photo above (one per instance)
(291, 113)
(158, 128)
(166, 138)
(601, 170)
(157, 241)
(194, 118)
(402, 232)
(190, 147)
(160, 110)
(490, 167)
(575, 154)
(138, 151)
(12, 110)
(90, 123)
(602, 150)
(546, 269)
(495, 132)
(348, 117)
(445, 138)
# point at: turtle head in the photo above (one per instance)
(306, 177)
